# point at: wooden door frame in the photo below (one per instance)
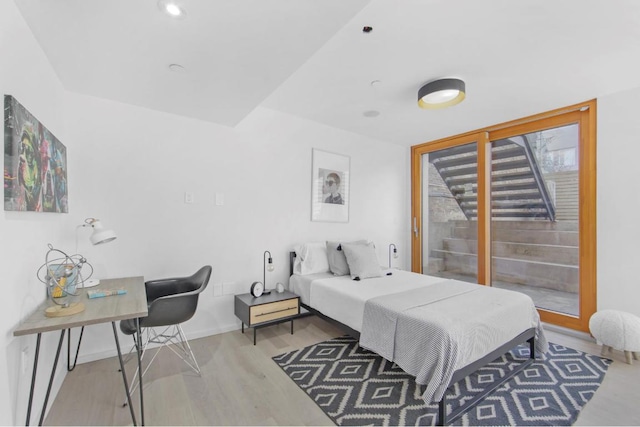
(585, 115)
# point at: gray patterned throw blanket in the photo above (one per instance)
(433, 331)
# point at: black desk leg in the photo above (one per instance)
(53, 373)
(292, 327)
(124, 374)
(254, 335)
(139, 348)
(33, 378)
(75, 360)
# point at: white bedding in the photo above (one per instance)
(343, 299)
(428, 325)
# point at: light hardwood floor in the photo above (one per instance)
(241, 385)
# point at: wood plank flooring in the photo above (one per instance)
(241, 385)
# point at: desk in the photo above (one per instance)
(98, 310)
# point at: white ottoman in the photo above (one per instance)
(617, 329)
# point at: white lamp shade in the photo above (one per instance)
(101, 235)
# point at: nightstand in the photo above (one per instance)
(267, 310)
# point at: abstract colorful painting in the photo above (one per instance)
(35, 163)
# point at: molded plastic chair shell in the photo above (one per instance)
(170, 301)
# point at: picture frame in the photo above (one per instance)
(35, 163)
(330, 182)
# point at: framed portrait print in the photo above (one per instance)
(330, 178)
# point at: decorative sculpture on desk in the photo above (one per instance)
(62, 274)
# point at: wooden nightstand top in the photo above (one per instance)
(274, 296)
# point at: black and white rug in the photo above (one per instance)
(354, 386)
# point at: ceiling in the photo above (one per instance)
(311, 59)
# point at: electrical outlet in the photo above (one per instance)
(230, 288)
(188, 197)
(24, 360)
(217, 290)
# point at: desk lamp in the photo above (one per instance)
(99, 236)
(266, 267)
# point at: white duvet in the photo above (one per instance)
(429, 326)
(343, 299)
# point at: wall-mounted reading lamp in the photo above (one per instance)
(395, 253)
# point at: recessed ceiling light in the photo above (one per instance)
(371, 113)
(171, 8)
(177, 68)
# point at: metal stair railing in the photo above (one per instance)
(457, 169)
(537, 176)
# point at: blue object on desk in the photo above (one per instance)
(100, 293)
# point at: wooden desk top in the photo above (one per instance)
(97, 310)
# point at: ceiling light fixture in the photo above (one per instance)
(441, 93)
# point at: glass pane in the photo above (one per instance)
(450, 200)
(534, 212)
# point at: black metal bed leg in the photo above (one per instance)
(442, 412)
(33, 378)
(532, 347)
(53, 373)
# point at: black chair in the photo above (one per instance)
(170, 303)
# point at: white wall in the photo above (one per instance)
(132, 167)
(618, 203)
(26, 74)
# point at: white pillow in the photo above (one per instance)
(362, 260)
(311, 258)
(337, 261)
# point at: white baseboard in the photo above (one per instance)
(570, 332)
(90, 357)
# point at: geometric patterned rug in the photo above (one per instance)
(354, 386)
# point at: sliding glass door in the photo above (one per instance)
(449, 213)
(513, 206)
(535, 213)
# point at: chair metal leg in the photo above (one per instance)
(171, 339)
(185, 342)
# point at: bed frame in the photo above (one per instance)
(443, 418)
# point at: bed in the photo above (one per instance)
(437, 330)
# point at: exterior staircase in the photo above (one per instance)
(518, 188)
(534, 253)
